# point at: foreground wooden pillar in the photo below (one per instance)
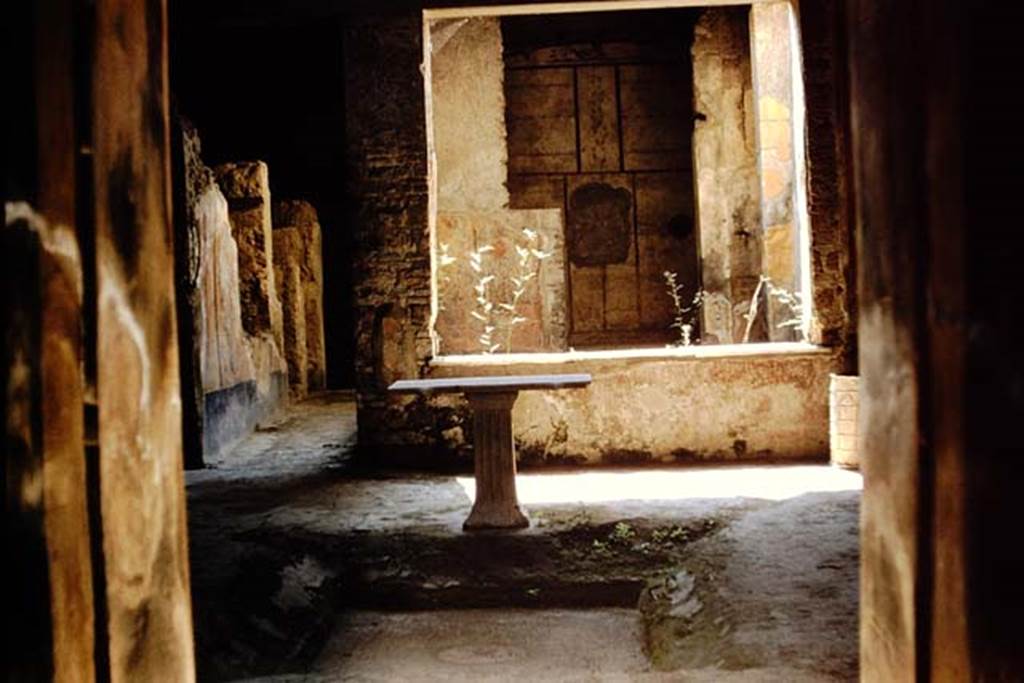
(936, 159)
(142, 489)
(494, 463)
(48, 600)
(50, 603)
(94, 520)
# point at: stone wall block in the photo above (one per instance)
(303, 217)
(542, 305)
(468, 105)
(246, 185)
(224, 353)
(288, 261)
(242, 369)
(725, 166)
(644, 410)
(190, 179)
(293, 213)
(773, 53)
(599, 119)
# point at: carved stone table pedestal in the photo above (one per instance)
(494, 454)
(494, 463)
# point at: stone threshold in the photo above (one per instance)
(695, 352)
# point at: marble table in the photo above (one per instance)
(494, 456)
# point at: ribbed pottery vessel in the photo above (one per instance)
(843, 405)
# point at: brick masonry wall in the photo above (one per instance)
(833, 269)
(387, 189)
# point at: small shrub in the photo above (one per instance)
(685, 314)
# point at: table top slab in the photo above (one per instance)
(502, 383)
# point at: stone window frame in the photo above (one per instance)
(682, 353)
(814, 341)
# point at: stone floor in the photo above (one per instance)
(305, 568)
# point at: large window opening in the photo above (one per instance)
(599, 115)
(616, 180)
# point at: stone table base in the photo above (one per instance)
(494, 453)
(494, 456)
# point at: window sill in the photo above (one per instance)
(712, 351)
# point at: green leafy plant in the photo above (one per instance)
(791, 302)
(502, 317)
(622, 533)
(685, 313)
(529, 257)
(669, 535)
(444, 263)
(579, 518)
(484, 310)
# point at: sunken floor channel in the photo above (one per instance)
(307, 567)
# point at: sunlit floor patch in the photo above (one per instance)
(765, 482)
